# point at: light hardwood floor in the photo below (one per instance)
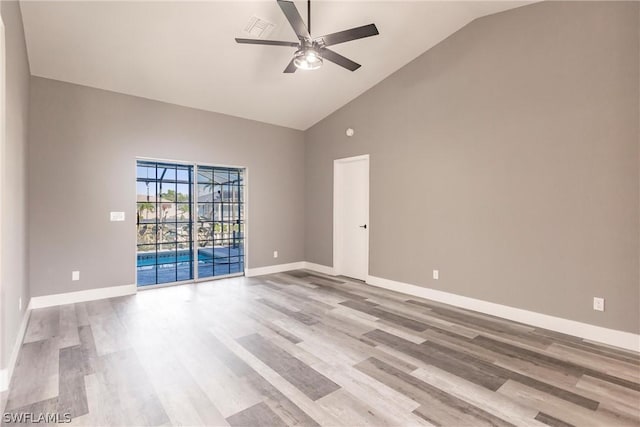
(299, 348)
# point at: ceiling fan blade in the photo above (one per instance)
(340, 60)
(348, 35)
(291, 68)
(293, 16)
(267, 42)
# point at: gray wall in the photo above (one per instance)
(13, 264)
(507, 158)
(82, 152)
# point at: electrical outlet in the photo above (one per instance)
(75, 275)
(20, 304)
(436, 274)
(275, 254)
(598, 304)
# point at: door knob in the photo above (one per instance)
(364, 226)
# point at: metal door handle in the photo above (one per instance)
(364, 226)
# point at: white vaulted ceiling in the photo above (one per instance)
(184, 52)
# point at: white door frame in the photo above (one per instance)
(337, 192)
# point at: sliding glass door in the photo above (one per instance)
(179, 217)
(164, 223)
(220, 221)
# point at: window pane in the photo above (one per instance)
(146, 275)
(205, 211)
(236, 267)
(221, 176)
(184, 271)
(206, 244)
(240, 194)
(205, 231)
(183, 191)
(233, 177)
(205, 192)
(183, 211)
(236, 194)
(146, 234)
(184, 232)
(170, 211)
(166, 173)
(166, 273)
(205, 176)
(184, 264)
(168, 191)
(236, 247)
(234, 212)
(223, 211)
(166, 211)
(216, 229)
(237, 232)
(226, 192)
(184, 174)
(235, 253)
(167, 233)
(146, 212)
(205, 262)
(221, 266)
(217, 193)
(217, 212)
(146, 171)
(221, 249)
(145, 190)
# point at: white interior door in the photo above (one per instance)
(351, 217)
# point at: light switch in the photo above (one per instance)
(117, 216)
(75, 275)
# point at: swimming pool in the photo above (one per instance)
(205, 255)
(169, 257)
(172, 266)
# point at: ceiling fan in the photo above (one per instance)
(311, 51)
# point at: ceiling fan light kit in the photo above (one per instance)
(307, 59)
(312, 51)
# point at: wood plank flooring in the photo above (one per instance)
(303, 349)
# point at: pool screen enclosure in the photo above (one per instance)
(190, 222)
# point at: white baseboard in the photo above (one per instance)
(324, 269)
(272, 269)
(82, 296)
(5, 374)
(626, 340)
